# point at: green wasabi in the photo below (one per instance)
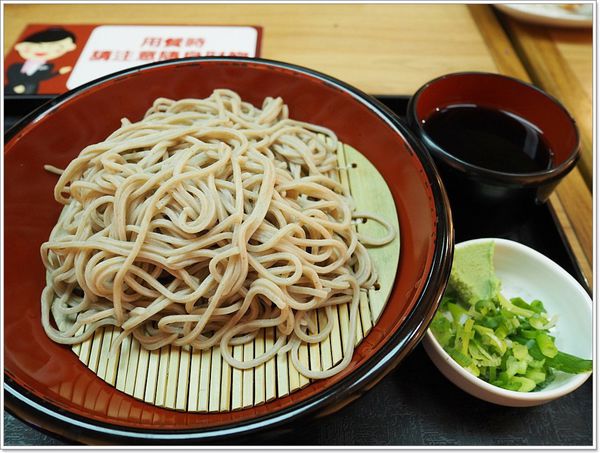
(504, 342)
(472, 277)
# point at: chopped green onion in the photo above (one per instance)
(536, 376)
(537, 306)
(459, 314)
(569, 363)
(527, 385)
(517, 301)
(540, 322)
(515, 366)
(508, 306)
(520, 352)
(441, 328)
(462, 359)
(546, 344)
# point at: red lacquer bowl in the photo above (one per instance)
(502, 200)
(46, 384)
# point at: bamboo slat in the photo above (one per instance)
(205, 368)
(202, 381)
(237, 383)
(104, 353)
(152, 377)
(142, 371)
(194, 384)
(259, 371)
(226, 375)
(270, 370)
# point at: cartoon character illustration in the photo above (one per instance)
(37, 49)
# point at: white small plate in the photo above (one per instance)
(530, 275)
(550, 14)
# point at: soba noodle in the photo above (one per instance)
(203, 224)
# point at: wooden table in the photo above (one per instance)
(551, 58)
(392, 49)
(560, 61)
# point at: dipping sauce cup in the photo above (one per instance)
(485, 200)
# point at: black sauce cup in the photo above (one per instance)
(488, 202)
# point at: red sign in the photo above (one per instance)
(50, 59)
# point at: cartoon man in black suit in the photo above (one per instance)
(37, 49)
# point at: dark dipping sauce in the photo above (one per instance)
(489, 138)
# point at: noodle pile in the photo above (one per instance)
(203, 224)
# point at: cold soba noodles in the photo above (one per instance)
(203, 224)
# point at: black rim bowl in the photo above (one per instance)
(552, 175)
(23, 404)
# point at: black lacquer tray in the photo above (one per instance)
(415, 405)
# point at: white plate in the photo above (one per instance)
(550, 14)
(527, 273)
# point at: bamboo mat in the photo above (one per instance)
(201, 381)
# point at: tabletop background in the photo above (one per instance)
(394, 49)
(389, 49)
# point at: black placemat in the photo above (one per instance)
(416, 405)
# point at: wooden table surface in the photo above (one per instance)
(393, 49)
(381, 49)
(560, 62)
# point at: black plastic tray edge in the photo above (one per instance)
(22, 411)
